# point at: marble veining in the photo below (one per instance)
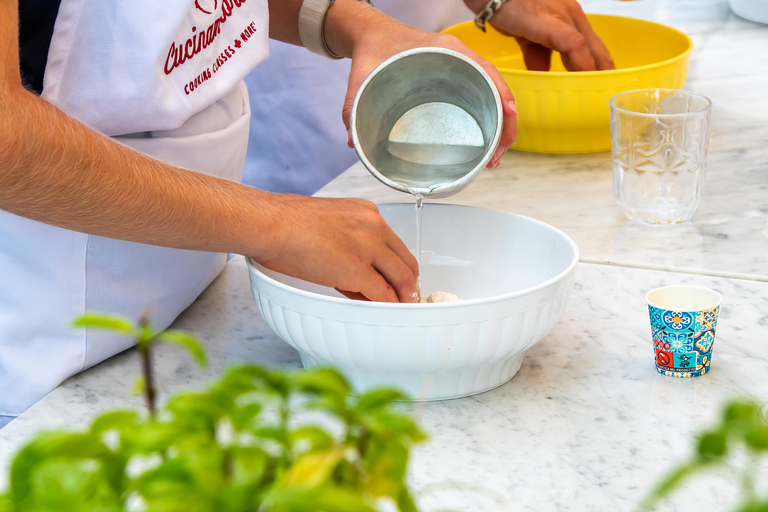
(587, 423)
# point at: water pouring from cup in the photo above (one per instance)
(426, 122)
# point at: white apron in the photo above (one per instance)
(164, 77)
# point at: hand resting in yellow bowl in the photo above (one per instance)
(541, 26)
(563, 112)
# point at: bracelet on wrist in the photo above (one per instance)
(490, 9)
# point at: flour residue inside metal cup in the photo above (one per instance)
(430, 146)
(436, 134)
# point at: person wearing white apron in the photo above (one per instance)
(165, 78)
(291, 107)
(86, 223)
(111, 69)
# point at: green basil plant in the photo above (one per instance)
(736, 445)
(255, 440)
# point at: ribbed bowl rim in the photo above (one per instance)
(466, 303)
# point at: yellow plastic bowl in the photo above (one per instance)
(562, 112)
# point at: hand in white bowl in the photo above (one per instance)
(341, 243)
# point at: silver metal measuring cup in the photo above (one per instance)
(426, 121)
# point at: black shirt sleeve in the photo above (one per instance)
(36, 21)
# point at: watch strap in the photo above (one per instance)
(311, 21)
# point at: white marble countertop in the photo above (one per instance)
(728, 235)
(587, 424)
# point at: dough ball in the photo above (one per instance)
(441, 297)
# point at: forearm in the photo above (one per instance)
(284, 20)
(58, 171)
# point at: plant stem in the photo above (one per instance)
(284, 411)
(227, 464)
(145, 342)
(149, 385)
(748, 479)
(362, 442)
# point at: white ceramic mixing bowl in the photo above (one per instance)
(514, 273)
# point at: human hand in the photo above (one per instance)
(341, 243)
(540, 26)
(374, 47)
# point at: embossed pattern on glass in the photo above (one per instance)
(659, 139)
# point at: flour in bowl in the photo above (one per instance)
(441, 297)
(435, 297)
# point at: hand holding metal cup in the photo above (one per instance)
(427, 121)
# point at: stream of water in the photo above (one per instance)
(419, 215)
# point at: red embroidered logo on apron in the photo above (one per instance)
(187, 50)
(215, 4)
(180, 53)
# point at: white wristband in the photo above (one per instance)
(311, 21)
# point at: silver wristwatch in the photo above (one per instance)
(487, 13)
(311, 22)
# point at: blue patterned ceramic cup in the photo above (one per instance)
(683, 321)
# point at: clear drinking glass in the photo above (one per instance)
(660, 139)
